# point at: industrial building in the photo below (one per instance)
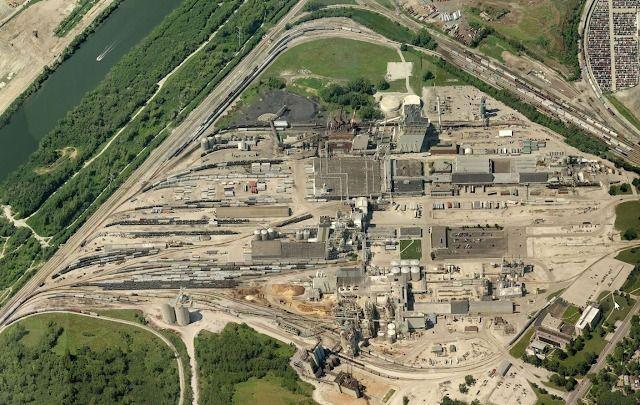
(589, 317)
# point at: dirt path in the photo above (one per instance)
(22, 223)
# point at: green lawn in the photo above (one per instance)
(622, 109)
(571, 314)
(608, 312)
(411, 249)
(631, 256)
(521, 345)
(423, 63)
(336, 58)
(594, 345)
(333, 2)
(132, 315)
(544, 398)
(81, 331)
(628, 216)
(493, 46)
(269, 391)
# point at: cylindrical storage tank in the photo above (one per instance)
(404, 262)
(264, 235)
(391, 326)
(381, 335)
(168, 314)
(414, 262)
(395, 263)
(256, 234)
(204, 144)
(415, 273)
(404, 272)
(306, 234)
(299, 235)
(272, 233)
(390, 106)
(391, 336)
(395, 271)
(182, 315)
(468, 151)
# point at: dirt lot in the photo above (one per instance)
(23, 55)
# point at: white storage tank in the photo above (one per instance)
(264, 235)
(391, 336)
(415, 273)
(414, 262)
(272, 233)
(395, 271)
(256, 234)
(306, 234)
(395, 263)
(299, 235)
(405, 271)
(381, 335)
(404, 262)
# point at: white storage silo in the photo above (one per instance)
(182, 315)
(415, 273)
(168, 314)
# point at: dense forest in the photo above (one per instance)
(238, 354)
(35, 373)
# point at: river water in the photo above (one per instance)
(63, 90)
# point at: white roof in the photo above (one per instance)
(587, 317)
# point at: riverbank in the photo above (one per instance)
(23, 56)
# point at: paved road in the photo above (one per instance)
(620, 333)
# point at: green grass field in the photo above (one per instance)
(82, 331)
(423, 63)
(622, 109)
(386, 4)
(521, 345)
(335, 59)
(411, 249)
(610, 314)
(132, 315)
(493, 46)
(545, 398)
(269, 391)
(628, 216)
(571, 314)
(631, 255)
(333, 2)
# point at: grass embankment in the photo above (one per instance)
(622, 109)
(82, 7)
(241, 366)
(68, 358)
(131, 315)
(521, 345)
(372, 20)
(544, 398)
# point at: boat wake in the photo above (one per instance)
(105, 51)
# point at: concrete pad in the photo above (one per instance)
(399, 70)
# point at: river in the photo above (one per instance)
(124, 28)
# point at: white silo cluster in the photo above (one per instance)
(265, 234)
(406, 270)
(303, 234)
